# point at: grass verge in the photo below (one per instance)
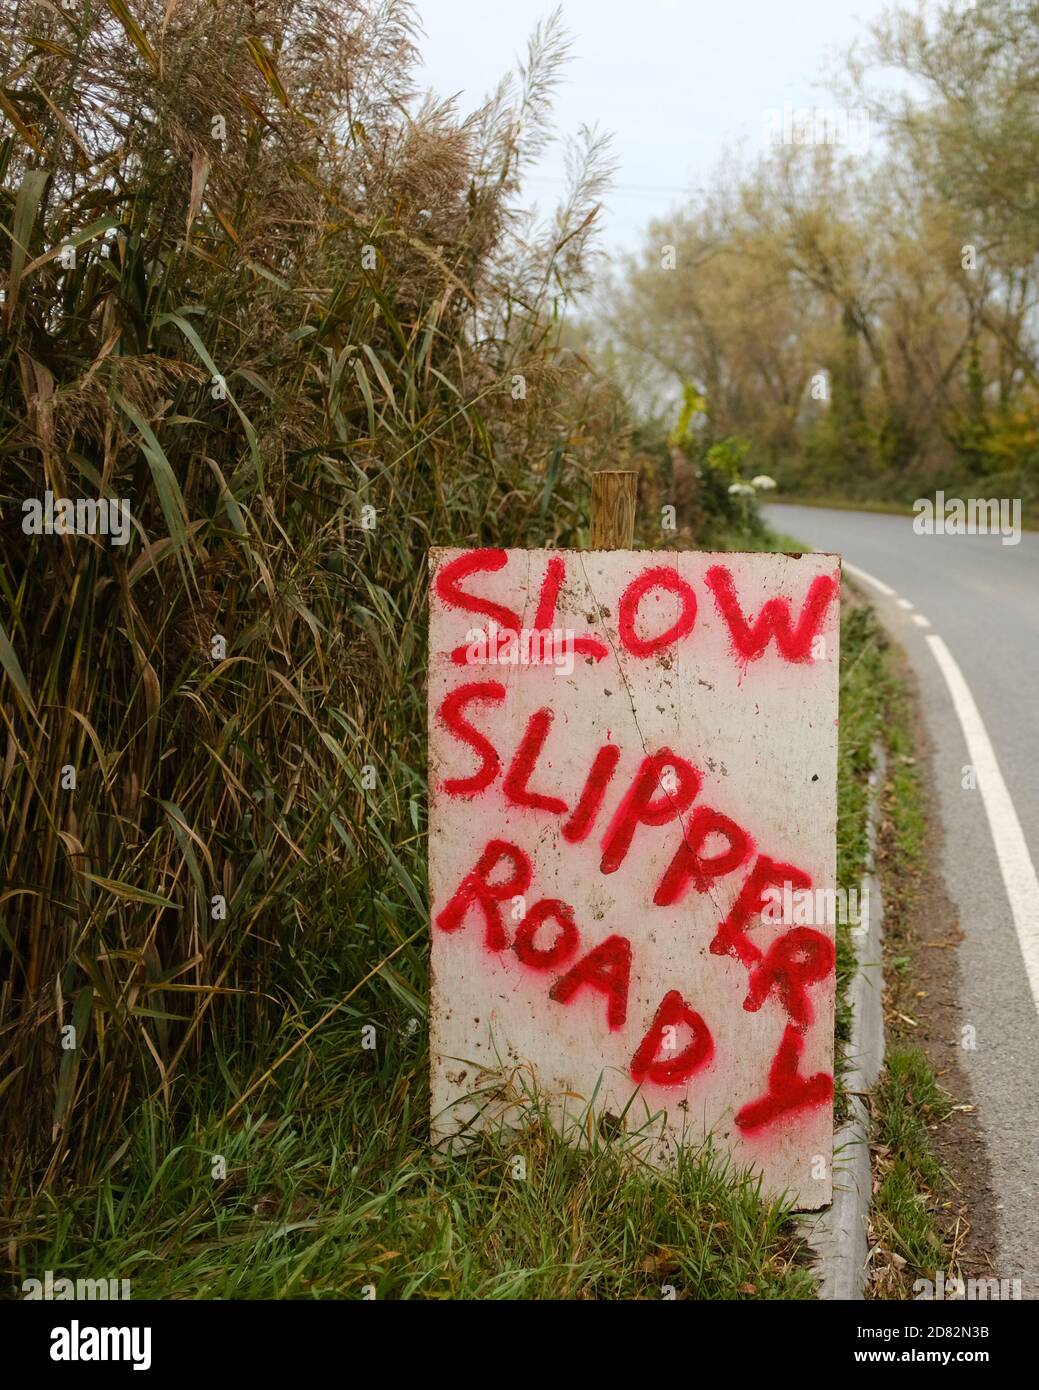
(323, 1184)
(908, 1105)
(331, 1191)
(861, 716)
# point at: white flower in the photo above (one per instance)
(741, 489)
(763, 481)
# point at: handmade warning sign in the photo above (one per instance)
(633, 807)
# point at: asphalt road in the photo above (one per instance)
(981, 598)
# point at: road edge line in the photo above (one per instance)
(1015, 863)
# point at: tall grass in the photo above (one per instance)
(294, 315)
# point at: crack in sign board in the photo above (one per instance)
(632, 756)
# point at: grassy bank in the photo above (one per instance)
(908, 1104)
(322, 1183)
(861, 713)
(332, 1191)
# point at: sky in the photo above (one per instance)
(680, 84)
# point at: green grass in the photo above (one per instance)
(862, 686)
(907, 1102)
(331, 1188)
(329, 1185)
(903, 804)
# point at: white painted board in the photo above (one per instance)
(632, 847)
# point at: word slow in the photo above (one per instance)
(796, 640)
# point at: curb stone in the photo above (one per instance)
(838, 1234)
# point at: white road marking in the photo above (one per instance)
(856, 573)
(1015, 863)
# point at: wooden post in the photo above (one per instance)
(613, 509)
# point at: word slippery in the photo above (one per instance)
(604, 847)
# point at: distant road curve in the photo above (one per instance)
(966, 611)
